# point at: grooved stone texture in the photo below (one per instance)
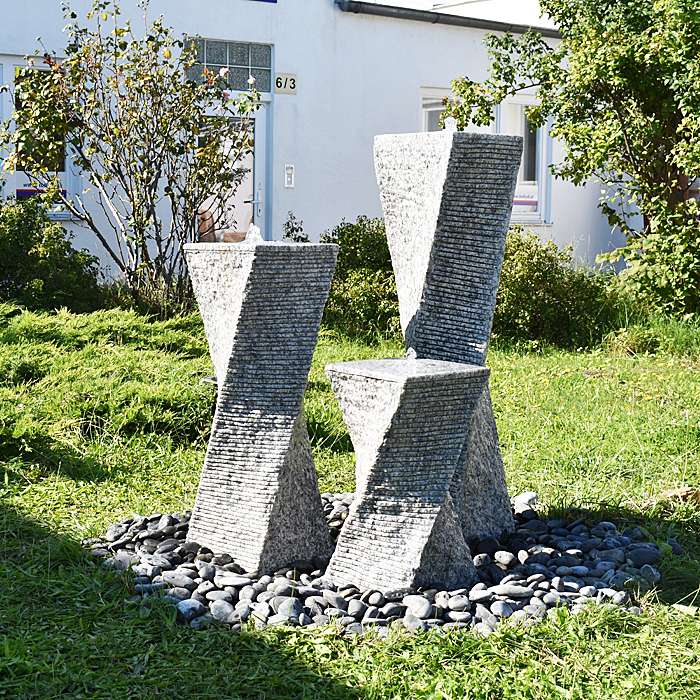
(407, 419)
(261, 306)
(447, 199)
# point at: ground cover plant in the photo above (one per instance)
(103, 415)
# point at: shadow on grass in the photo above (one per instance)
(41, 450)
(67, 629)
(182, 423)
(663, 522)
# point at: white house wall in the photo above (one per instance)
(358, 76)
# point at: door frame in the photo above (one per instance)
(262, 185)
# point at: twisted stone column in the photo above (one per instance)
(407, 420)
(258, 494)
(447, 199)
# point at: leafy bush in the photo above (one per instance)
(293, 229)
(663, 267)
(364, 305)
(362, 302)
(363, 246)
(543, 297)
(38, 266)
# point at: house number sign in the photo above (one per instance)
(286, 83)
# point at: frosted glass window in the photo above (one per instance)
(242, 59)
(263, 79)
(238, 78)
(239, 54)
(217, 53)
(260, 55)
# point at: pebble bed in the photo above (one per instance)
(542, 566)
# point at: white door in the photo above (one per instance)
(229, 221)
(249, 202)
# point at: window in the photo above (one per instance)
(513, 120)
(35, 151)
(529, 171)
(433, 105)
(432, 109)
(241, 59)
(509, 118)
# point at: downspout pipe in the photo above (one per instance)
(370, 8)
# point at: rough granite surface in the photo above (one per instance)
(258, 493)
(407, 419)
(447, 199)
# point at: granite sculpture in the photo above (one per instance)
(447, 199)
(429, 473)
(258, 495)
(407, 419)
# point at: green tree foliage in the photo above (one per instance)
(38, 266)
(621, 91)
(157, 139)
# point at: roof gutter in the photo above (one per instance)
(370, 8)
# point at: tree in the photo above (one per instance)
(621, 90)
(157, 139)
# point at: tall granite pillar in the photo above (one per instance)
(258, 494)
(447, 199)
(407, 420)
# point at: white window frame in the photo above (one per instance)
(433, 94)
(544, 177)
(543, 181)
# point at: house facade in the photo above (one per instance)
(333, 74)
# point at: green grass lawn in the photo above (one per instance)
(104, 415)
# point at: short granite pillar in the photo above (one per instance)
(447, 199)
(407, 420)
(258, 494)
